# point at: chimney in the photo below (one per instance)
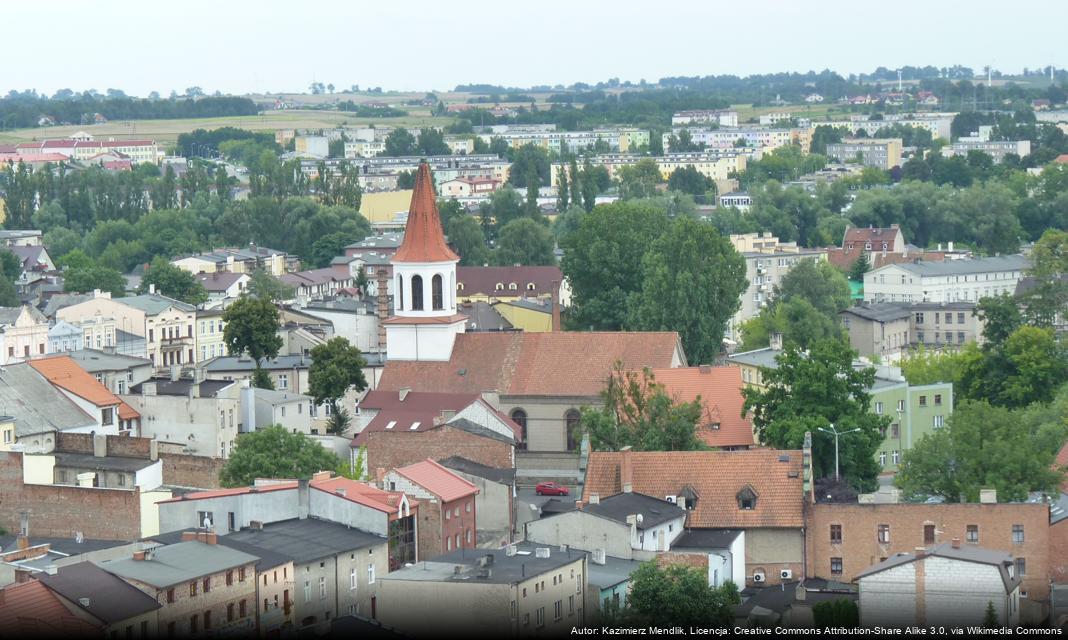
(807, 486)
(705, 368)
(380, 475)
(24, 524)
(152, 288)
(776, 341)
(303, 498)
(988, 496)
(595, 498)
(53, 570)
(955, 543)
(578, 505)
(22, 543)
(140, 555)
(382, 308)
(403, 393)
(556, 305)
(187, 536)
(153, 451)
(100, 445)
(84, 602)
(625, 478)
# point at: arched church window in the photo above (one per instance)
(417, 293)
(437, 295)
(400, 293)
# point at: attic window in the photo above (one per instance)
(747, 499)
(499, 287)
(512, 286)
(460, 286)
(415, 425)
(715, 426)
(391, 424)
(530, 286)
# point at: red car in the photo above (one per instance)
(550, 489)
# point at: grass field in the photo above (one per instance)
(166, 131)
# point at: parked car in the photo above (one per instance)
(550, 489)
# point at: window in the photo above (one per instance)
(558, 609)
(836, 566)
(928, 534)
(207, 585)
(882, 458)
(193, 589)
(241, 574)
(170, 595)
(526, 619)
(242, 609)
(960, 318)
(437, 299)
(896, 456)
(923, 401)
(283, 381)
(448, 512)
(836, 534)
(352, 579)
(469, 536)
(879, 408)
(230, 612)
(919, 318)
(973, 533)
(540, 616)
(938, 399)
(1017, 534)
(571, 605)
(194, 623)
(107, 416)
(307, 591)
(417, 293)
(900, 405)
(322, 587)
(895, 430)
(939, 421)
(370, 574)
(467, 506)
(747, 499)
(1021, 567)
(884, 534)
(230, 578)
(400, 292)
(207, 620)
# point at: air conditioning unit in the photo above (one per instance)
(759, 577)
(786, 574)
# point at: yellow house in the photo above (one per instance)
(530, 315)
(209, 330)
(382, 207)
(7, 433)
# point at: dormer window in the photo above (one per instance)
(747, 499)
(513, 287)
(867, 246)
(499, 287)
(530, 286)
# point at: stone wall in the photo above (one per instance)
(191, 471)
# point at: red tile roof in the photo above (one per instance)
(220, 493)
(365, 494)
(418, 407)
(438, 480)
(64, 373)
(31, 610)
(534, 364)
(871, 234)
(484, 280)
(720, 391)
(1061, 159)
(424, 239)
(716, 477)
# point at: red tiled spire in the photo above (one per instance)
(424, 240)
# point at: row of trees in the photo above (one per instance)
(20, 110)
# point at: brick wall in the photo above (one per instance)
(860, 548)
(191, 471)
(117, 445)
(389, 450)
(60, 511)
(1058, 552)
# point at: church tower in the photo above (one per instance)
(425, 321)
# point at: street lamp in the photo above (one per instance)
(836, 433)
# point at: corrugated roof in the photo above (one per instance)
(177, 563)
(716, 477)
(720, 391)
(438, 480)
(424, 239)
(572, 364)
(36, 405)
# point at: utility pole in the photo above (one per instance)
(836, 434)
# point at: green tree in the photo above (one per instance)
(336, 367)
(639, 413)
(822, 136)
(8, 296)
(860, 266)
(252, 328)
(432, 143)
(400, 142)
(330, 246)
(804, 307)
(689, 180)
(173, 282)
(88, 279)
(603, 261)
(529, 162)
(525, 242)
(1000, 316)
(263, 285)
(691, 282)
(562, 197)
(465, 235)
(679, 595)
(639, 180)
(449, 208)
(990, 616)
(505, 206)
(842, 612)
(985, 446)
(10, 265)
(808, 392)
(274, 452)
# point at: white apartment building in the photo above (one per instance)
(949, 281)
(717, 165)
(760, 138)
(721, 117)
(996, 149)
(23, 334)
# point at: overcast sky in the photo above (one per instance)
(239, 46)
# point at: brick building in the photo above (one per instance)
(447, 515)
(404, 427)
(845, 539)
(760, 492)
(205, 588)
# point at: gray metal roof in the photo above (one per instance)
(279, 397)
(168, 387)
(153, 303)
(706, 539)
(95, 361)
(653, 511)
(964, 553)
(61, 300)
(36, 405)
(611, 573)
(880, 311)
(177, 563)
(110, 599)
(307, 539)
(962, 267)
(8, 315)
(68, 546)
(471, 468)
(758, 357)
(267, 558)
(504, 569)
(244, 363)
